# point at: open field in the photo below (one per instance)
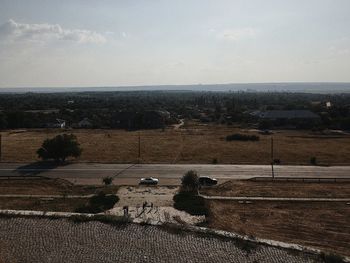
(317, 224)
(325, 225)
(42, 204)
(57, 187)
(49, 187)
(195, 143)
(296, 189)
(60, 240)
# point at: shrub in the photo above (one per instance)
(215, 161)
(107, 180)
(265, 125)
(98, 203)
(190, 203)
(245, 245)
(242, 137)
(276, 161)
(313, 160)
(190, 181)
(332, 258)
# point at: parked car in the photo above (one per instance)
(149, 180)
(207, 181)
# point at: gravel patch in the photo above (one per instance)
(60, 240)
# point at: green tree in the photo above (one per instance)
(60, 147)
(190, 181)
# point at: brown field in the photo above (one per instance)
(49, 187)
(321, 225)
(324, 225)
(280, 189)
(46, 187)
(42, 204)
(193, 144)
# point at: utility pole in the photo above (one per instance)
(272, 159)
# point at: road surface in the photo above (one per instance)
(168, 174)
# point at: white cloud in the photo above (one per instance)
(237, 34)
(14, 31)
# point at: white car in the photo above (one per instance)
(149, 180)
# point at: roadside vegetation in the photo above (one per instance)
(332, 258)
(187, 199)
(108, 180)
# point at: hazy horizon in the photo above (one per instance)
(310, 87)
(84, 43)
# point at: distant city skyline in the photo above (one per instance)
(90, 43)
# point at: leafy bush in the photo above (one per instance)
(98, 203)
(242, 137)
(190, 181)
(190, 203)
(215, 161)
(60, 147)
(313, 160)
(107, 180)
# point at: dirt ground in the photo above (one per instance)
(321, 225)
(192, 143)
(46, 187)
(42, 204)
(280, 189)
(324, 225)
(49, 187)
(135, 196)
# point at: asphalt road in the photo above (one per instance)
(168, 174)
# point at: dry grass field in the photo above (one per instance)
(49, 187)
(46, 187)
(321, 225)
(42, 204)
(280, 189)
(324, 225)
(194, 143)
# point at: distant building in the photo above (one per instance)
(58, 124)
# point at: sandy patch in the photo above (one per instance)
(158, 215)
(136, 196)
(159, 207)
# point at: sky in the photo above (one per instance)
(86, 43)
